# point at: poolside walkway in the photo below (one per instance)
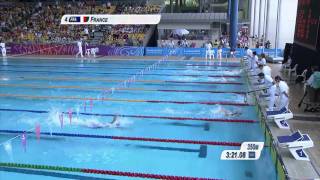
(306, 122)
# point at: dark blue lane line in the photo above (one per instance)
(47, 138)
(207, 127)
(50, 174)
(166, 148)
(202, 150)
(24, 110)
(120, 92)
(175, 118)
(108, 68)
(100, 73)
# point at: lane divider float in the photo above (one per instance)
(106, 73)
(106, 68)
(99, 171)
(144, 116)
(91, 79)
(124, 89)
(180, 141)
(126, 100)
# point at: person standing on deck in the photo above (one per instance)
(79, 44)
(254, 61)
(208, 47)
(265, 80)
(265, 69)
(282, 89)
(3, 49)
(262, 60)
(219, 54)
(248, 56)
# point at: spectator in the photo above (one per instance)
(313, 85)
(262, 60)
(49, 30)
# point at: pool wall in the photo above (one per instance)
(72, 49)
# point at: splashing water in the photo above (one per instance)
(37, 130)
(78, 110)
(54, 117)
(70, 115)
(169, 111)
(174, 111)
(61, 119)
(5, 79)
(218, 110)
(186, 78)
(93, 122)
(84, 106)
(125, 122)
(233, 72)
(8, 148)
(91, 104)
(24, 141)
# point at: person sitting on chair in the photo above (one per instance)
(313, 84)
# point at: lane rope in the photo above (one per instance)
(144, 116)
(88, 79)
(123, 89)
(99, 171)
(222, 65)
(180, 141)
(99, 67)
(114, 73)
(125, 100)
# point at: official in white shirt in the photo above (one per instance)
(79, 44)
(208, 47)
(3, 49)
(248, 52)
(265, 79)
(254, 61)
(282, 89)
(264, 69)
(263, 59)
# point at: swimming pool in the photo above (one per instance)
(172, 120)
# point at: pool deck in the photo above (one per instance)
(305, 122)
(298, 169)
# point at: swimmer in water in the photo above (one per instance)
(228, 113)
(115, 121)
(96, 125)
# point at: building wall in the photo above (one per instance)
(272, 21)
(287, 20)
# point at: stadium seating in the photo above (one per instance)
(42, 24)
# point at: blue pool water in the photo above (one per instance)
(37, 91)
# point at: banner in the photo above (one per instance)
(200, 52)
(72, 49)
(102, 50)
